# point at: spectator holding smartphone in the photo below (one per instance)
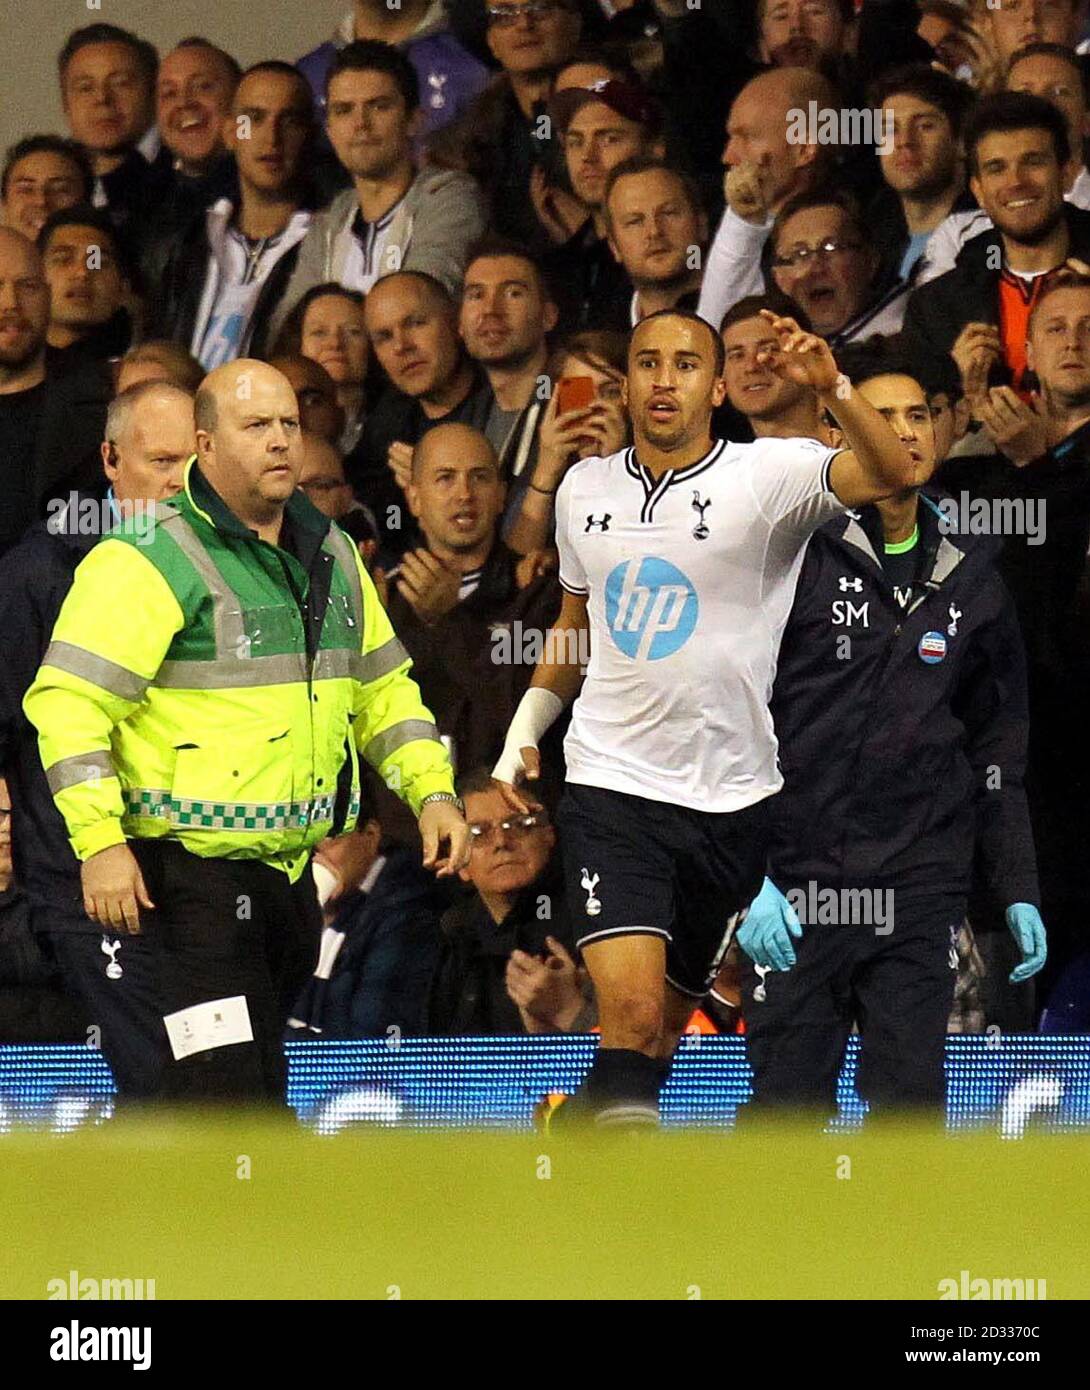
(582, 420)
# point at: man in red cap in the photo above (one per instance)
(598, 126)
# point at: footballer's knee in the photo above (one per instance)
(632, 1021)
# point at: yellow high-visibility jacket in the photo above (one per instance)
(205, 685)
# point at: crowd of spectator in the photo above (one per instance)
(441, 224)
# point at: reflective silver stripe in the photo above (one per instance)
(227, 623)
(234, 673)
(344, 552)
(237, 673)
(393, 738)
(373, 665)
(80, 767)
(107, 675)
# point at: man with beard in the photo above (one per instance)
(1019, 160)
(1043, 462)
(922, 168)
(658, 232)
(507, 311)
(24, 321)
(50, 428)
(803, 33)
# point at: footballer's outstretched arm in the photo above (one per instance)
(874, 464)
(556, 681)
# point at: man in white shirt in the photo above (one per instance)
(678, 560)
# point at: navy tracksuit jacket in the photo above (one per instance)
(903, 747)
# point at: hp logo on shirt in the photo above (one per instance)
(651, 608)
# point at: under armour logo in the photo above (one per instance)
(856, 585)
(759, 992)
(593, 904)
(700, 530)
(955, 614)
(437, 81)
(602, 524)
(113, 970)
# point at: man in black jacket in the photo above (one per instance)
(901, 711)
(48, 427)
(149, 437)
(506, 954)
(1019, 161)
(224, 275)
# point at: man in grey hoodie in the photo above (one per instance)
(395, 217)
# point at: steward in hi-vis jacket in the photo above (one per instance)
(212, 681)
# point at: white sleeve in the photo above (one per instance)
(945, 243)
(790, 478)
(734, 266)
(572, 576)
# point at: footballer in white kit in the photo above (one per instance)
(679, 557)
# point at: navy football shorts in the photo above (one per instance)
(637, 867)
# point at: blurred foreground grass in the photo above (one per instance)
(495, 1215)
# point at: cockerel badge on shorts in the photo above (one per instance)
(593, 905)
(113, 970)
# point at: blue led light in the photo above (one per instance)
(1005, 1083)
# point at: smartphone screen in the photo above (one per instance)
(574, 393)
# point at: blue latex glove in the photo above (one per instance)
(765, 935)
(1029, 931)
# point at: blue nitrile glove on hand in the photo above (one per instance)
(1029, 931)
(765, 935)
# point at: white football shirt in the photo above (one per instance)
(689, 582)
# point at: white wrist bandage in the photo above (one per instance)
(537, 711)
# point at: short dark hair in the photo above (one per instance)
(689, 317)
(84, 215)
(145, 53)
(277, 65)
(370, 55)
(750, 308)
(289, 341)
(1076, 61)
(491, 245)
(877, 356)
(49, 144)
(646, 164)
(938, 89)
(198, 41)
(825, 197)
(1009, 111)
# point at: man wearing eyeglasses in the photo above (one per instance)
(506, 957)
(824, 261)
(500, 138)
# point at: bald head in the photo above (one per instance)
(456, 492)
(759, 125)
(412, 323)
(24, 312)
(248, 438)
